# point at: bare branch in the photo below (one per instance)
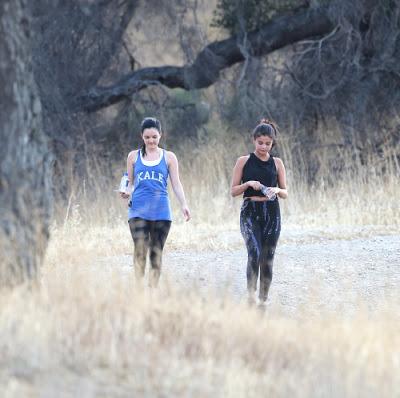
(215, 57)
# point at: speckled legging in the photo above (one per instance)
(148, 236)
(260, 225)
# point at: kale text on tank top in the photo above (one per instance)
(150, 199)
(256, 169)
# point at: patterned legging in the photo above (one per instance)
(260, 225)
(148, 235)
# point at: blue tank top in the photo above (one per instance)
(149, 199)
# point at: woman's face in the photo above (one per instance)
(263, 144)
(151, 137)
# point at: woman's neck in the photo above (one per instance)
(154, 150)
(263, 157)
(152, 154)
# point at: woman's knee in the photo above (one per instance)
(266, 270)
(253, 258)
(140, 248)
(267, 261)
(155, 257)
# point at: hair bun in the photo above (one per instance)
(270, 123)
(266, 121)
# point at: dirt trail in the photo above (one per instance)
(315, 273)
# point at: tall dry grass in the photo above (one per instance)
(349, 195)
(89, 331)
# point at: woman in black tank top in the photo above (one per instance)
(261, 179)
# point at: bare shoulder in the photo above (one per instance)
(170, 157)
(241, 161)
(278, 163)
(133, 155)
(170, 154)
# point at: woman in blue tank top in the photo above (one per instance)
(149, 212)
(261, 179)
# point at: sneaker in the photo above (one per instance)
(251, 300)
(263, 304)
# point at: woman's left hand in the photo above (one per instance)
(186, 213)
(275, 190)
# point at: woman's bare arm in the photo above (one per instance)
(176, 184)
(281, 190)
(236, 187)
(130, 164)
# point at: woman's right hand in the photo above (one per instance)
(256, 185)
(124, 195)
(186, 213)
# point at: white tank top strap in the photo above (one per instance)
(166, 156)
(136, 156)
(151, 162)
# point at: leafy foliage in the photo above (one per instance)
(246, 15)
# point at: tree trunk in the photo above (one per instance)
(25, 192)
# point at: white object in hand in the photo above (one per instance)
(123, 185)
(268, 192)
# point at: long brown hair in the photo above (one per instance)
(149, 123)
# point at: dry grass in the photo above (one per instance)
(91, 332)
(363, 199)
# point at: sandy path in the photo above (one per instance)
(327, 274)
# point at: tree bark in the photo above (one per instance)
(215, 57)
(25, 192)
(77, 45)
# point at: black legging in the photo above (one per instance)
(260, 225)
(148, 235)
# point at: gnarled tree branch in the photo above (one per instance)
(215, 57)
